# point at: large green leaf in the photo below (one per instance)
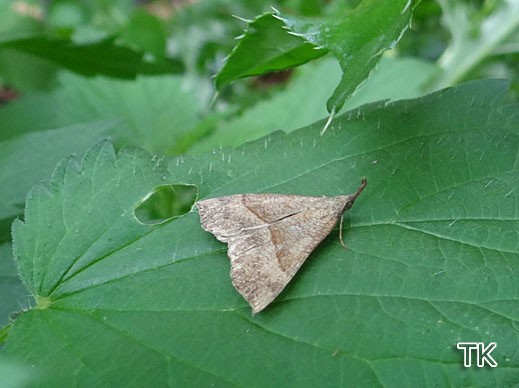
(433, 259)
(357, 40)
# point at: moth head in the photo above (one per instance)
(350, 199)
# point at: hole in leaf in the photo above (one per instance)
(166, 202)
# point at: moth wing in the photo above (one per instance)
(269, 237)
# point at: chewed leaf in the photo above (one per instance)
(83, 215)
(433, 258)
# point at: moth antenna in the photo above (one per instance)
(363, 184)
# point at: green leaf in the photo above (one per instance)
(265, 46)
(103, 57)
(357, 40)
(393, 79)
(432, 259)
(27, 159)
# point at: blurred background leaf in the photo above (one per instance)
(13, 294)
(286, 110)
(479, 37)
(102, 57)
(15, 374)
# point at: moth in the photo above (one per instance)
(269, 236)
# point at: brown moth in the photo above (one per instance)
(270, 236)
